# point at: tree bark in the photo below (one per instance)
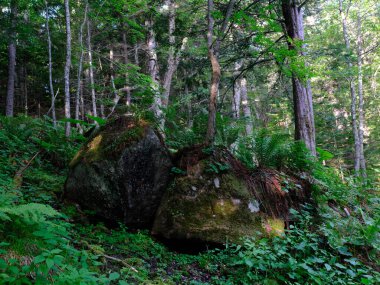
(360, 93)
(237, 92)
(352, 90)
(11, 62)
(67, 69)
(51, 88)
(246, 107)
(126, 61)
(153, 69)
(91, 70)
(213, 53)
(171, 62)
(78, 95)
(302, 95)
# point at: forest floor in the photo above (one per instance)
(46, 241)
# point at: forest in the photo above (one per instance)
(190, 142)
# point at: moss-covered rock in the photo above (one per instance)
(219, 200)
(121, 173)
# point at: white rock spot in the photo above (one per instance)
(217, 182)
(254, 206)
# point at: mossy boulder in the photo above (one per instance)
(219, 200)
(121, 173)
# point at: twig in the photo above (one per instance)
(19, 173)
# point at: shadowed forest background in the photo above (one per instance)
(280, 98)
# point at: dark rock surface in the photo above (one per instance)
(121, 173)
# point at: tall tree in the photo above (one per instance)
(343, 14)
(302, 95)
(51, 88)
(11, 60)
(213, 54)
(78, 96)
(360, 89)
(91, 70)
(153, 69)
(67, 68)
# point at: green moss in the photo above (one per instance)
(196, 208)
(111, 139)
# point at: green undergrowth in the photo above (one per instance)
(43, 241)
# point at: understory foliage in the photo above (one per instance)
(46, 242)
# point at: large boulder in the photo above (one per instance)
(121, 173)
(216, 199)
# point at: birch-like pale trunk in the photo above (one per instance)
(115, 92)
(51, 87)
(11, 62)
(153, 69)
(171, 62)
(91, 70)
(237, 92)
(126, 62)
(67, 69)
(360, 92)
(78, 95)
(136, 54)
(246, 106)
(302, 95)
(352, 90)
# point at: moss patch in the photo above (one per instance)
(110, 139)
(197, 208)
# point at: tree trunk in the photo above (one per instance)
(245, 106)
(213, 53)
(126, 61)
(215, 75)
(11, 62)
(52, 108)
(67, 69)
(153, 69)
(237, 92)
(360, 93)
(352, 90)
(91, 70)
(302, 95)
(171, 64)
(78, 94)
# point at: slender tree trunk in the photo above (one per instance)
(91, 71)
(246, 107)
(115, 92)
(213, 53)
(67, 69)
(171, 64)
(126, 61)
(25, 75)
(215, 75)
(302, 95)
(78, 94)
(352, 91)
(153, 69)
(11, 62)
(52, 107)
(237, 92)
(360, 93)
(136, 54)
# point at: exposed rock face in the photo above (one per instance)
(121, 173)
(219, 200)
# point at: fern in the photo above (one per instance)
(30, 214)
